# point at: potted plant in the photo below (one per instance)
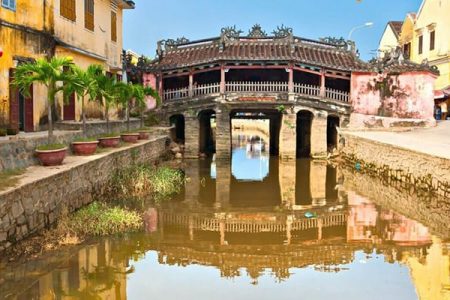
(124, 93)
(50, 73)
(140, 93)
(107, 97)
(85, 85)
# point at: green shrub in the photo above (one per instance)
(50, 147)
(100, 219)
(81, 139)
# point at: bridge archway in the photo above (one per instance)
(177, 132)
(274, 118)
(207, 128)
(332, 134)
(304, 123)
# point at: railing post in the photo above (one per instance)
(322, 84)
(191, 85)
(161, 87)
(291, 95)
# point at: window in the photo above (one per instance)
(432, 40)
(89, 14)
(10, 4)
(420, 44)
(407, 50)
(67, 9)
(113, 26)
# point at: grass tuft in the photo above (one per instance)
(50, 147)
(9, 178)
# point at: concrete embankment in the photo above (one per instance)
(420, 158)
(43, 192)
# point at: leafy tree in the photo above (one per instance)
(55, 74)
(139, 94)
(124, 93)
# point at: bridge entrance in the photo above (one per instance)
(177, 132)
(304, 123)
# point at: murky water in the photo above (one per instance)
(259, 228)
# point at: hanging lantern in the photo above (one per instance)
(1, 51)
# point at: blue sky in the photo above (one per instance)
(154, 20)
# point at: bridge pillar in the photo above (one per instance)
(192, 139)
(318, 182)
(319, 135)
(287, 177)
(288, 141)
(223, 183)
(223, 134)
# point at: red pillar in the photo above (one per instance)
(161, 86)
(222, 79)
(291, 79)
(322, 84)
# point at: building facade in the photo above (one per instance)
(88, 31)
(425, 37)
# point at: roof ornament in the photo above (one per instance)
(231, 32)
(282, 31)
(338, 42)
(173, 44)
(257, 32)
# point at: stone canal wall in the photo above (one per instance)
(44, 193)
(421, 170)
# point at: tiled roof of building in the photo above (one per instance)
(257, 47)
(396, 27)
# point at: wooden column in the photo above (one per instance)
(222, 79)
(191, 85)
(291, 79)
(161, 86)
(322, 83)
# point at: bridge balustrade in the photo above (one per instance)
(256, 87)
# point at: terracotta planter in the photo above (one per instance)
(130, 137)
(84, 148)
(51, 157)
(109, 142)
(144, 135)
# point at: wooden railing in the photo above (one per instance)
(336, 95)
(306, 89)
(206, 89)
(176, 94)
(247, 86)
(256, 87)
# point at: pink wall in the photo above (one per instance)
(407, 95)
(150, 80)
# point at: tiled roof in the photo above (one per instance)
(396, 27)
(262, 50)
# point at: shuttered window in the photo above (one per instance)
(432, 40)
(67, 9)
(10, 4)
(89, 14)
(113, 26)
(420, 44)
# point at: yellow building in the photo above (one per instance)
(390, 37)
(87, 30)
(425, 36)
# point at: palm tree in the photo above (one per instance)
(106, 94)
(124, 93)
(139, 94)
(50, 73)
(85, 84)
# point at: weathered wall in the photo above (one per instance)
(149, 79)
(402, 164)
(408, 95)
(40, 200)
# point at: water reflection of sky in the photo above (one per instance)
(249, 167)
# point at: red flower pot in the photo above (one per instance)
(84, 148)
(130, 137)
(144, 135)
(108, 142)
(51, 157)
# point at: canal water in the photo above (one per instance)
(259, 228)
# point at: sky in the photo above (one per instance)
(154, 20)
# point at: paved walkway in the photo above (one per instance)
(433, 141)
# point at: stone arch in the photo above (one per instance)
(178, 130)
(333, 122)
(304, 124)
